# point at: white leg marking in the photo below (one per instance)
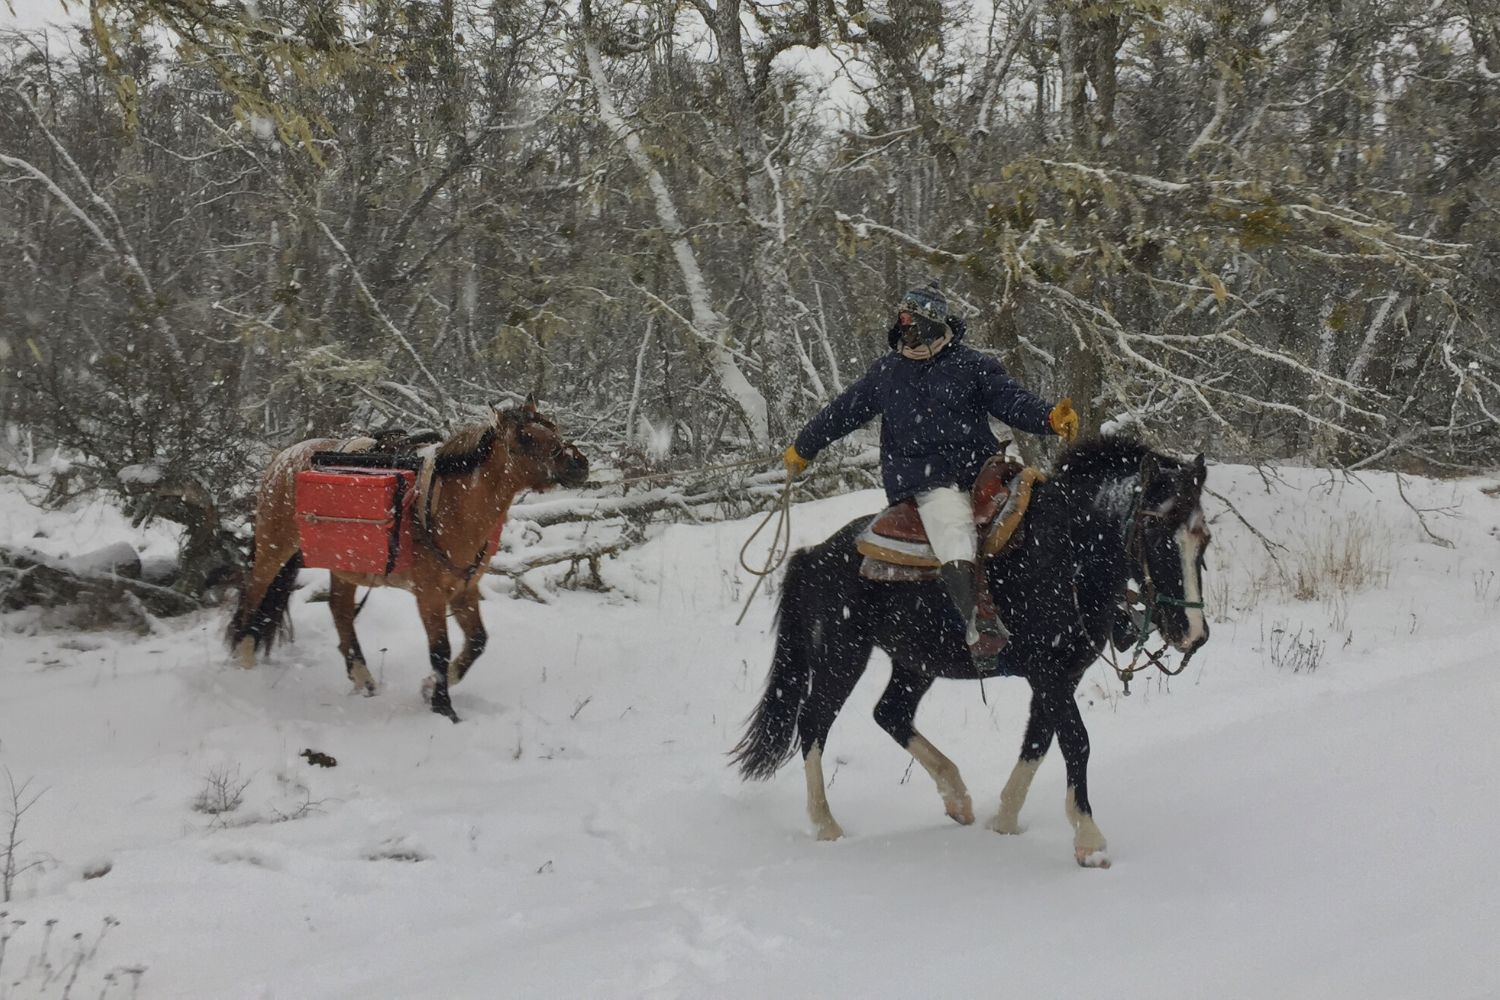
(244, 652)
(1088, 841)
(1190, 544)
(1013, 796)
(817, 797)
(950, 785)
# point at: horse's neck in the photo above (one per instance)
(467, 507)
(1086, 526)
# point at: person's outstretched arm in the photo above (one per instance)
(1012, 402)
(851, 410)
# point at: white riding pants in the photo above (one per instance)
(948, 515)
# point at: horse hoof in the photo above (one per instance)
(1008, 825)
(244, 653)
(1090, 859)
(436, 696)
(831, 832)
(360, 677)
(961, 811)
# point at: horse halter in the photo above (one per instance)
(564, 449)
(1135, 548)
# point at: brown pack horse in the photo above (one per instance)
(476, 474)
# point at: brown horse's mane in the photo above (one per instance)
(468, 449)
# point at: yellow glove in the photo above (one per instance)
(794, 462)
(1064, 420)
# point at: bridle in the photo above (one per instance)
(1135, 548)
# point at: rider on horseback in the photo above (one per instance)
(935, 396)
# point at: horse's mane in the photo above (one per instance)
(1103, 457)
(468, 449)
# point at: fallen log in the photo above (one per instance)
(119, 559)
(31, 579)
(518, 563)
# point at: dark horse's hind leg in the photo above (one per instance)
(896, 712)
(832, 682)
(1034, 746)
(341, 605)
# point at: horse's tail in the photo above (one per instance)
(770, 737)
(262, 620)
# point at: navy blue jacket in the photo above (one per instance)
(934, 429)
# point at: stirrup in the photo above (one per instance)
(992, 637)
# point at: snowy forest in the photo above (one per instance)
(1261, 238)
(1261, 230)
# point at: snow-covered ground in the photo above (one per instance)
(1277, 831)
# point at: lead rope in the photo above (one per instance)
(679, 474)
(781, 544)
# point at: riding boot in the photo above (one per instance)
(985, 635)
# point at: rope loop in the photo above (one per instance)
(781, 544)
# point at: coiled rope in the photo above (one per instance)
(781, 544)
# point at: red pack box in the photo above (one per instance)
(356, 520)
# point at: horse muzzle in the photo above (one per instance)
(574, 469)
(1189, 643)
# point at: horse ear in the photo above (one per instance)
(530, 405)
(1152, 473)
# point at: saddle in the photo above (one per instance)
(390, 448)
(895, 544)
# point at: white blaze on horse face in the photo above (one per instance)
(1190, 540)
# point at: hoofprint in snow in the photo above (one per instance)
(1309, 811)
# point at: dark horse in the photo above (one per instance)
(474, 476)
(1115, 512)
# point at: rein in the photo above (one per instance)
(1143, 633)
(682, 473)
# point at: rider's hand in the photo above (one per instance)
(1064, 420)
(794, 462)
